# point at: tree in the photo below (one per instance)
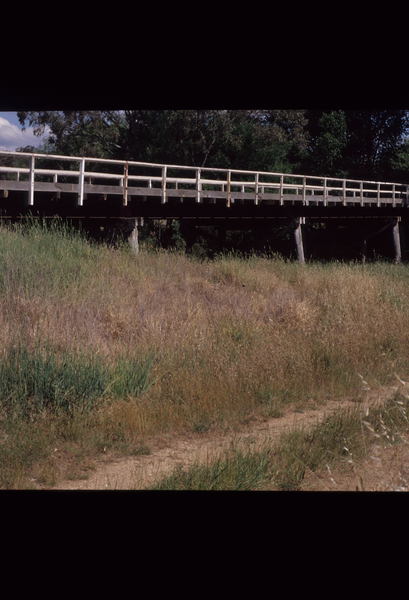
(354, 143)
(241, 139)
(173, 136)
(373, 139)
(267, 140)
(399, 163)
(83, 133)
(327, 143)
(359, 144)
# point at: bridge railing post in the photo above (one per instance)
(55, 179)
(256, 179)
(229, 188)
(125, 184)
(164, 172)
(81, 183)
(281, 190)
(361, 192)
(198, 185)
(32, 176)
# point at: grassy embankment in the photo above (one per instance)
(100, 349)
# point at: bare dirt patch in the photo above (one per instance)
(169, 451)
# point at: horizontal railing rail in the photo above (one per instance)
(192, 181)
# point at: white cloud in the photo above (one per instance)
(12, 137)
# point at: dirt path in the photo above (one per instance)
(167, 452)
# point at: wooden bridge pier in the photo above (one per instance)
(299, 239)
(134, 237)
(396, 240)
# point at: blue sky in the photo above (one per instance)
(11, 134)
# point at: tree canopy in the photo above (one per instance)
(367, 144)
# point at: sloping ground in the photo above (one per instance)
(167, 452)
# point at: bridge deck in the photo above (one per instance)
(150, 189)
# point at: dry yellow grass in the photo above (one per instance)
(230, 337)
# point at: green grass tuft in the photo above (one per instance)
(240, 471)
(35, 380)
(131, 377)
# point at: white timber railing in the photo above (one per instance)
(87, 175)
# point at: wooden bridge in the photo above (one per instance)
(86, 187)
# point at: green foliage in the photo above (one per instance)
(40, 257)
(130, 377)
(247, 139)
(35, 380)
(329, 145)
(242, 470)
(173, 237)
(399, 162)
(354, 143)
(373, 137)
(200, 249)
(75, 132)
